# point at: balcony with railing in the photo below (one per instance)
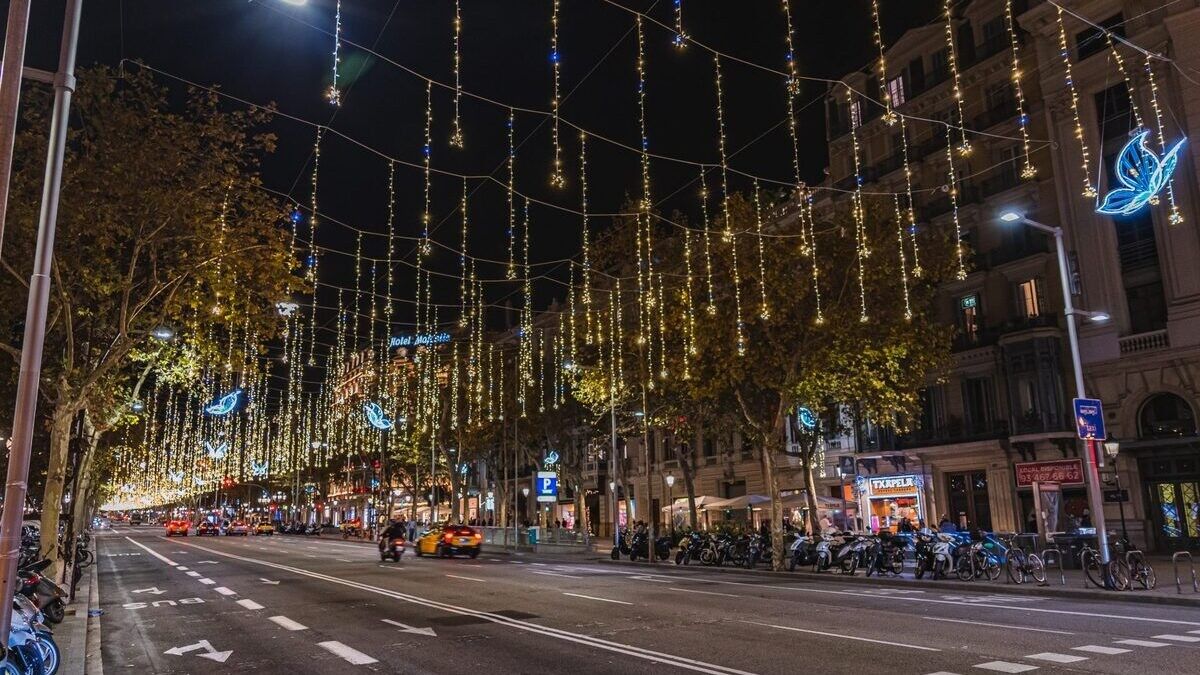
(954, 431)
(1142, 342)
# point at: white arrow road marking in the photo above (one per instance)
(268, 581)
(405, 628)
(153, 590)
(210, 653)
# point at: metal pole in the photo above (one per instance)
(516, 442)
(1121, 502)
(35, 320)
(1095, 499)
(652, 519)
(10, 96)
(612, 463)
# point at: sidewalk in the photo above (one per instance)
(78, 636)
(1165, 593)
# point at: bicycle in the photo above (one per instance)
(1118, 570)
(1019, 565)
(978, 562)
(1139, 570)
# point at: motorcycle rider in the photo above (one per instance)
(396, 529)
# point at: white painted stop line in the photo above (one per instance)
(349, 654)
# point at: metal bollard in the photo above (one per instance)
(1175, 558)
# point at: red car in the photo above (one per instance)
(177, 527)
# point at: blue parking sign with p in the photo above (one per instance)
(1089, 419)
(546, 485)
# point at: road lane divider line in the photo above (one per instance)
(1141, 643)
(455, 576)
(1000, 625)
(206, 581)
(1100, 649)
(225, 591)
(592, 597)
(556, 574)
(194, 575)
(696, 590)
(1055, 657)
(348, 654)
(843, 637)
(249, 604)
(623, 649)
(156, 554)
(181, 568)
(286, 623)
(1005, 667)
(1177, 638)
(909, 598)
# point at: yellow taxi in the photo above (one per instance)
(264, 527)
(444, 541)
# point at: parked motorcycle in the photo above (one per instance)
(47, 595)
(802, 552)
(935, 554)
(885, 554)
(689, 548)
(638, 547)
(313, 530)
(24, 609)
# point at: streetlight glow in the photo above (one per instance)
(1010, 216)
(297, 3)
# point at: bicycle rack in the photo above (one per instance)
(1058, 558)
(1180, 555)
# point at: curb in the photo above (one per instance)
(1132, 597)
(71, 634)
(93, 660)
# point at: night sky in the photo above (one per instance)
(267, 51)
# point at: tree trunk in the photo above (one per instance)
(52, 494)
(810, 487)
(689, 483)
(771, 479)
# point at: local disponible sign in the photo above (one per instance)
(1063, 471)
(893, 486)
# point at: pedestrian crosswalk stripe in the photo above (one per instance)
(1005, 667)
(1142, 643)
(1097, 649)
(1056, 658)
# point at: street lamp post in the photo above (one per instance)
(1095, 499)
(1111, 448)
(671, 500)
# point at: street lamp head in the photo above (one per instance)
(639, 413)
(670, 480)
(525, 491)
(298, 3)
(612, 485)
(1098, 317)
(1111, 448)
(1011, 216)
(162, 333)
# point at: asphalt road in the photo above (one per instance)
(303, 605)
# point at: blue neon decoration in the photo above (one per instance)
(1142, 174)
(225, 404)
(551, 459)
(176, 476)
(807, 419)
(376, 417)
(258, 469)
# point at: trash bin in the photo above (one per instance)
(533, 536)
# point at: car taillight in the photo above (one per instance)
(477, 536)
(449, 536)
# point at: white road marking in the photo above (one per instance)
(352, 655)
(538, 564)
(1054, 657)
(224, 591)
(410, 629)
(592, 597)
(1098, 649)
(249, 604)
(1142, 643)
(206, 581)
(1000, 625)
(344, 560)
(288, 624)
(619, 648)
(844, 637)
(1005, 667)
(161, 557)
(393, 566)
(943, 672)
(181, 568)
(1177, 638)
(193, 574)
(693, 590)
(916, 598)
(455, 576)
(556, 574)
(1194, 632)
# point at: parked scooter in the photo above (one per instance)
(802, 552)
(313, 530)
(47, 595)
(689, 548)
(24, 609)
(638, 547)
(885, 554)
(935, 554)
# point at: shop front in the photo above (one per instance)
(1057, 488)
(891, 500)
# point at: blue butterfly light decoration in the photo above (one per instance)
(807, 419)
(224, 405)
(176, 476)
(1143, 175)
(552, 458)
(258, 469)
(376, 417)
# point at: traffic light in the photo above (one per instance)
(227, 482)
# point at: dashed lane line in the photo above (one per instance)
(1055, 657)
(1000, 625)
(843, 637)
(349, 654)
(1100, 649)
(287, 624)
(225, 591)
(592, 597)
(556, 574)
(194, 575)
(1142, 643)
(696, 590)
(249, 604)
(206, 581)
(1005, 667)
(455, 576)
(1177, 638)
